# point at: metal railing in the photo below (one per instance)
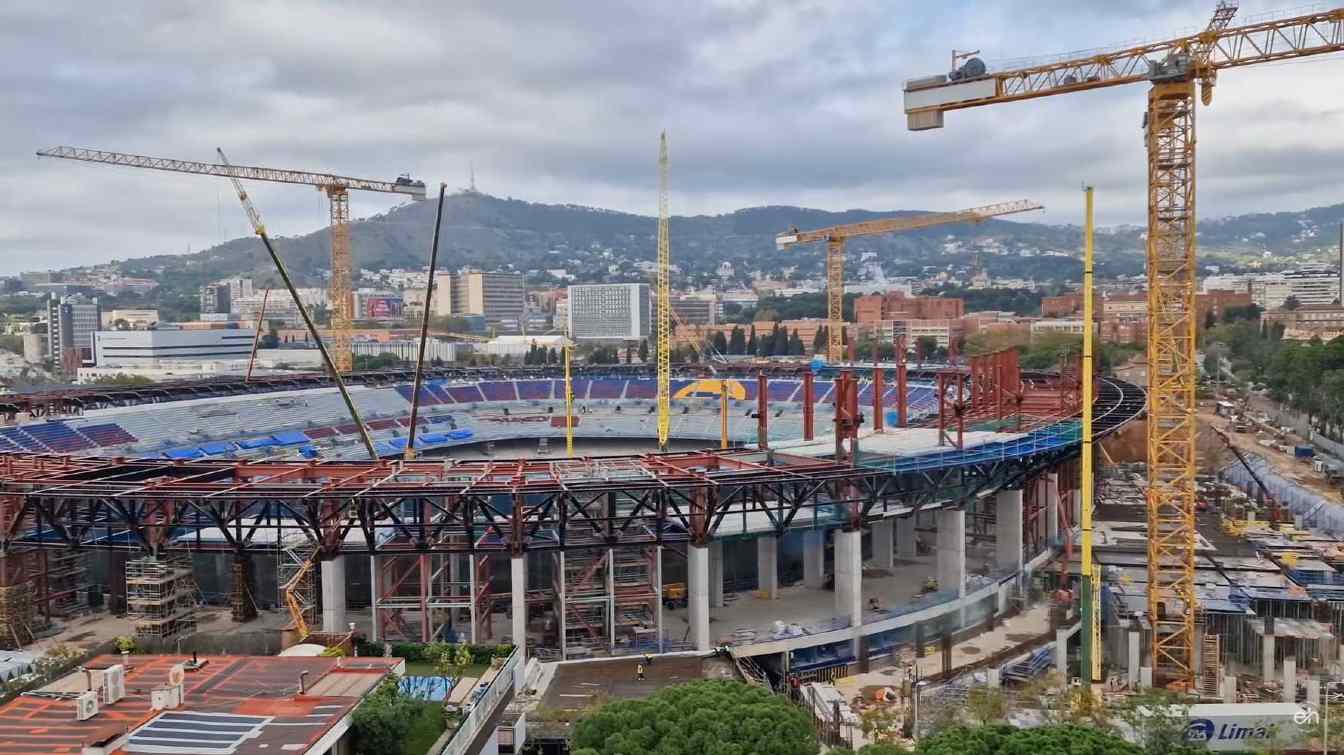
(483, 708)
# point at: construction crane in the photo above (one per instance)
(1275, 513)
(664, 305)
(337, 189)
(1171, 68)
(836, 235)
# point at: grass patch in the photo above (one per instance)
(425, 668)
(425, 730)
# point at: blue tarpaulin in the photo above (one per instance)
(460, 434)
(308, 452)
(183, 453)
(217, 447)
(258, 442)
(290, 437)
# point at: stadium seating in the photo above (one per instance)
(607, 389)
(641, 388)
(783, 390)
(465, 394)
(22, 439)
(534, 389)
(317, 433)
(498, 390)
(107, 434)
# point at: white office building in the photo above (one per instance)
(609, 312)
(156, 348)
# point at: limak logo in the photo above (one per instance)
(1204, 730)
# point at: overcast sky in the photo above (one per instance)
(765, 102)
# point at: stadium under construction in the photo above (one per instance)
(904, 502)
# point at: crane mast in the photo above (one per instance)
(664, 302)
(337, 188)
(1172, 68)
(835, 237)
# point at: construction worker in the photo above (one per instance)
(639, 671)
(648, 659)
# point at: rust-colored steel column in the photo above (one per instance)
(762, 411)
(902, 400)
(809, 406)
(878, 387)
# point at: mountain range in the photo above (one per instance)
(488, 232)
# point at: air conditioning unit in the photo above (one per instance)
(165, 698)
(114, 684)
(86, 706)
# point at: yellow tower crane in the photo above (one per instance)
(664, 305)
(836, 235)
(337, 189)
(1171, 68)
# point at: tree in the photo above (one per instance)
(453, 661)
(927, 345)
(779, 341)
(698, 718)
(553, 356)
(643, 350)
(629, 353)
(795, 344)
(737, 342)
(751, 341)
(1158, 719)
(719, 343)
(1209, 320)
(382, 721)
(819, 340)
(1291, 303)
(1064, 739)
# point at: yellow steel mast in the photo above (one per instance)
(1091, 658)
(664, 303)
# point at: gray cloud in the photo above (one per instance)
(766, 102)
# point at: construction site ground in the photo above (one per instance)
(216, 632)
(748, 617)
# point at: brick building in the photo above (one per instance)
(895, 305)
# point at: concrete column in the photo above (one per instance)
(333, 595)
(849, 576)
(1230, 689)
(373, 598)
(814, 559)
(1052, 508)
(1008, 530)
(767, 566)
(992, 678)
(905, 538)
(1145, 677)
(1267, 657)
(1290, 679)
(1135, 642)
(1313, 686)
(697, 594)
(1076, 506)
(952, 550)
(884, 546)
(658, 581)
(518, 606)
(716, 574)
(1062, 652)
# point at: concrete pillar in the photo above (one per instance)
(884, 546)
(1052, 508)
(716, 574)
(333, 595)
(1145, 677)
(849, 576)
(1135, 642)
(658, 581)
(1290, 679)
(1267, 657)
(1076, 506)
(518, 607)
(767, 566)
(1313, 686)
(952, 550)
(1062, 653)
(905, 538)
(1230, 689)
(1008, 530)
(814, 559)
(697, 594)
(373, 598)
(992, 678)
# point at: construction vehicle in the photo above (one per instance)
(1172, 68)
(340, 296)
(1267, 498)
(836, 235)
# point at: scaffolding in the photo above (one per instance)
(606, 601)
(296, 581)
(63, 582)
(161, 596)
(425, 597)
(16, 616)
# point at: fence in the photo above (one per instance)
(483, 710)
(1315, 509)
